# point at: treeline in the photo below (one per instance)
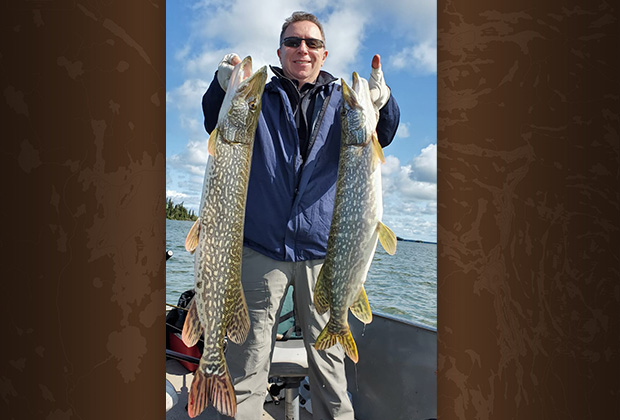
(178, 212)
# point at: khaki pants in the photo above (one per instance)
(265, 282)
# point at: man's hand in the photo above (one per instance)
(225, 68)
(379, 92)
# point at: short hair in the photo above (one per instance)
(299, 17)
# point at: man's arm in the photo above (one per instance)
(389, 117)
(211, 104)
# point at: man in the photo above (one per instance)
(289, 209)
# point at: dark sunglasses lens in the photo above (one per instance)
(295, 42)
(292, 42)
(314, 43)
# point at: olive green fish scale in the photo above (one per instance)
(219, 302)
(220, 245)
(353, 234)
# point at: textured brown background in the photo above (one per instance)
(529, 272)
(528, 160)
(83, 159)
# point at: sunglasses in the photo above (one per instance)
(294, 42)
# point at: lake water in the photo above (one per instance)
(403, 285)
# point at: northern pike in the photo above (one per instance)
(356, 222)
(218, 307)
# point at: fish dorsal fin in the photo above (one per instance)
(212, 141)
(192, 328)
(322, 292)
(361, 307)
(387, 238)
(191, 242)
(377, 147)
(238, 324)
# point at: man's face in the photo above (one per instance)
(302, 63)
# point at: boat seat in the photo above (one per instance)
(290, 363)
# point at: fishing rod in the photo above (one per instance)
(183, 357)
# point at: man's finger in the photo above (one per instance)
(235, 59)
(376, 61)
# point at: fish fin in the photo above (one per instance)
(198, 398)
(327, 339)
(376, 146)
(361, 307)
(215, 389)
(348, 344)
(191, 242)
(322, 292)
(192, 328)
(212, 141)
(223, 394)
(387, 238)
(239, 321)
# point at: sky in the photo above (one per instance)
(402, 32)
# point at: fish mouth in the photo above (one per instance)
(350, 93)
(243, 86)
(242, 76)
(256, 81)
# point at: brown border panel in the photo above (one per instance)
(83, 95)
(528, 267)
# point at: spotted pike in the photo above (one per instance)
(356, 222)
(218, 307)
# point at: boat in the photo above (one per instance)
(395, 378)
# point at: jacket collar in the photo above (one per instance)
(323, 79)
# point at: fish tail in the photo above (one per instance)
(215, 389)
(327, 339)
(192, 328)
(348, 344)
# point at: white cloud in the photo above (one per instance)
(344, 30)
(416, 180)
(252, 28)
(176, 196)
(410, 195)
(421, 58)
(425, 165)
(193, 160)
(182, 53)
(246, 28)
(412, 225)
(188, 96)
(403, 130)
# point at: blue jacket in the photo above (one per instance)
(290, 202)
